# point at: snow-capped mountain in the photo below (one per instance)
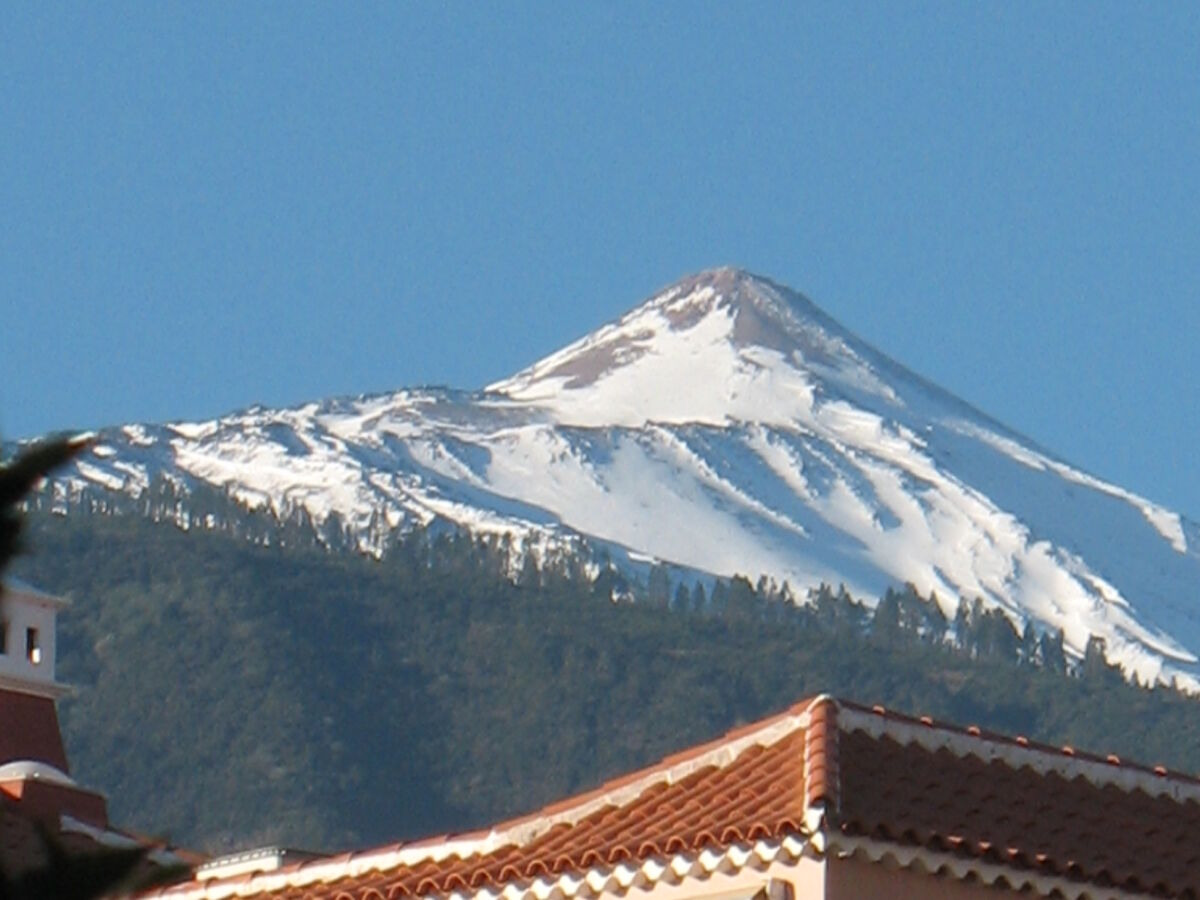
(725, 426)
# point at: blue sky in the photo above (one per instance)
(212, 205)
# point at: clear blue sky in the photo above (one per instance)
(206, 206)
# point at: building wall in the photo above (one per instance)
(827, 879)
(29, 729)
(852, 879)
(803, 879)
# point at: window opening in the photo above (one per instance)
(33, 646)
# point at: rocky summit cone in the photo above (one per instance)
(725, 304)
(727, 425)
(714, 348)
(719, 347)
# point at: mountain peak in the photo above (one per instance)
(727, 305)
(717, 346)
(728, 282)
(763, 313)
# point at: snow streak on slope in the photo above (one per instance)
(725, 426)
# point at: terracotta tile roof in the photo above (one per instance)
(1040, 814)
(823, 778)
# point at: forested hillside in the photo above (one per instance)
(231, 694)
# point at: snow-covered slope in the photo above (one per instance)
(727, 426)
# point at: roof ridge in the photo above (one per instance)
(821, 783)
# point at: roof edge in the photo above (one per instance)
(614, 879)
(1019, 752)
(672, 769)
(14, 586)
(109, 837)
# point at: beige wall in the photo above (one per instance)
(851, 879)
(831, 878)
(802, 879)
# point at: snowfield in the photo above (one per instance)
(725, 426)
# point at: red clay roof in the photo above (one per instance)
(1041, 812)
(823, 777)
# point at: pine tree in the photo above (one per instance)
(885, 621)
(683, 599)
(1095, 666)
(699, 599)
(962, 627)
(1029, 644)
(742, 603)
(1051, 652)
(658, 585)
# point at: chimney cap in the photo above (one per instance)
(35, 770)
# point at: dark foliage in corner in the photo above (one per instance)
(65, 876)
(18, 477)
(75, 876)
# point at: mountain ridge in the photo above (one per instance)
(726, 425)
